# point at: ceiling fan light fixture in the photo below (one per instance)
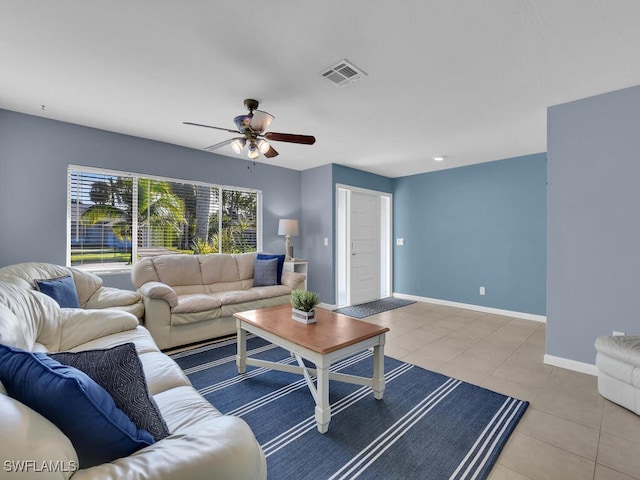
(238, 144)
(253, 152)
(263, 146)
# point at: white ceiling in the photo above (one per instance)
(467, 79)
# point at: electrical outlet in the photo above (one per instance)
(483, 291)
(400, 241)
(617, 333)
(326, 242)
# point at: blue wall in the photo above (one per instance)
(466, 227)
(481, 225)
(316, 225)
(358, 178)
(318, 220)
(594, 226)
(35, 152)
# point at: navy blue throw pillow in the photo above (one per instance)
(73, 402)
(268, 256)
(62, 290)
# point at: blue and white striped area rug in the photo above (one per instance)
(427, 426)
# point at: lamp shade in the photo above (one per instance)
(288, 226)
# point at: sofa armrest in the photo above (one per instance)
(108, 297)
(29, 440)
(80, 326)
(292, 279)
(203, 445)
(160, 291)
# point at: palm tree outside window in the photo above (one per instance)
(108, 209)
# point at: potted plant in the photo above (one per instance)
(303, 303)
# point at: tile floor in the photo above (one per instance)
(568, 432)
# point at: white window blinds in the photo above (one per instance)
(115, 218)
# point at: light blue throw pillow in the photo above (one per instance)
(269, 256)
(265, 272)
(62, 290)
(71, 400)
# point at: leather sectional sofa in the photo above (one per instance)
(202, 443)
(90, 290)
(190, 298)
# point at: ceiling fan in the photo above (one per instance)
(252, 128)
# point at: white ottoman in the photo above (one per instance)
(618, 362)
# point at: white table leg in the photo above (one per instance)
(323, 409)
(241, 357)
(378, 370)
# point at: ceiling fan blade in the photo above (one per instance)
(211, 148)
(290, 137)
(210, 126)
(261, 121)
(271, 152)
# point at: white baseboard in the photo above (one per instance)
(327, 306)
(479, 308)
(574, 365)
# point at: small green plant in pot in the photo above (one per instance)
(303, 303)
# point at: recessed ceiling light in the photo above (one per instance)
(439, 158)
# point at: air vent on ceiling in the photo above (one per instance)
(343, 73)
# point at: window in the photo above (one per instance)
(106, 232)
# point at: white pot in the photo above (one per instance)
(303, 317)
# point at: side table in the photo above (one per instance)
(298, 265)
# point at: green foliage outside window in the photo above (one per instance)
(169, 216)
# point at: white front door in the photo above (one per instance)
(365, 248)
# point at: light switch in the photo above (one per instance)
(326, 242)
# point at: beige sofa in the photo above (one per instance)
(202, 443)
(91, 292)
(190, 298)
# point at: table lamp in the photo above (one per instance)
(288, 227)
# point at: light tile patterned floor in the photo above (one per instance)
(568, 432)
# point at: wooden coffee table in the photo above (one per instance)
(332, 338)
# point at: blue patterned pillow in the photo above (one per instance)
(268, 256)
(265, 272)
(119, 371)
(73, 402)
(62, 290)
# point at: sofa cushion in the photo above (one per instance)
(139, 336)
(265, 272)
(198, 302)
(79, 326)
(218, 268)
(37, 315)
(87, 284)
(108, 297)
(62, 290)
(71, 400)
(11, 332)
(239, 296)
(272, 291)
(177, 270)
(268, 256)
(119, 371)
(245, 265)
(162, 373)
